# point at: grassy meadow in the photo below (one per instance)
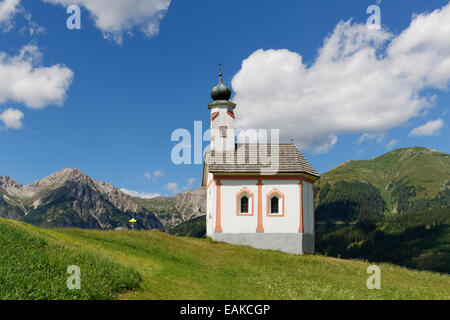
(156, 265)
(34, 266)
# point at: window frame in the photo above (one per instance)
(245, 192)
(223, 132)
(280, 196)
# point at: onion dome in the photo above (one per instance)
(221, 91)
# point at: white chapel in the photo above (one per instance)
(248, 201)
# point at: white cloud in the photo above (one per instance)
(326, 146)
(32, 28)
(392, 143)
(12, 118)
(362, 81)
(114, 17)
(430, 128)
(158, 173)
(23, 80)
(370, 136)
(173, 187)
(380, 138)
(8, 9)
(154, 175)
(140, 194)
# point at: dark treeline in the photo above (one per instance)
(192, 228)
(359, 201)
(419, 240)
(403, 194)
(349, 201)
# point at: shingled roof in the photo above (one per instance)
(257, 158)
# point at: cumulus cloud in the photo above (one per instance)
(12, 118)
(8, 9)
(114, 17)
(23, 79)
(431, 128)
(138, 194)
(362, 81)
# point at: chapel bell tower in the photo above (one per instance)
(222, 118)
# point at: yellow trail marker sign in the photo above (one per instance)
(133, 220)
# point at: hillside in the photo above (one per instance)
(33, 265)
(395, 208)
(408, 179)
(195, 227)
(168, 267)
(419, 240)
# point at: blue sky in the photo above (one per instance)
(130, 90)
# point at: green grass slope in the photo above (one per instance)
(33, 265)
(186, 268)
(408, 178)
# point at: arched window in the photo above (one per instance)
(274, 201)
(275, 204)
(244, 202)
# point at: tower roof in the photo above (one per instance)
(220, 91)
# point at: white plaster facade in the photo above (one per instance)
(220, 118)
(286, 222)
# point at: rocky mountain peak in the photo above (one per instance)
(70, 198)
(7, 182)
(61, 177)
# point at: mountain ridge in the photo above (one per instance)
(407, 179)
(387, 184)
(70, 198)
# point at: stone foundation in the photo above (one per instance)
(297, 243)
